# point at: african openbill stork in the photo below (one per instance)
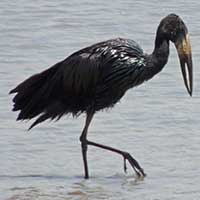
(96, 77)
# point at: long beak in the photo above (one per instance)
(185, 56)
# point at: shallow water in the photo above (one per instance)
(158, 123)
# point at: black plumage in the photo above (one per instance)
(91, 79)
(97, 77)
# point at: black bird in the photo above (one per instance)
(96, 77)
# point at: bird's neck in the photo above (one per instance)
(161, 53)
(157, 60)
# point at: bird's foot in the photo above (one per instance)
(135, 165)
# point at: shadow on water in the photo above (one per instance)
(64, 187)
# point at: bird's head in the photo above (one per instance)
(174, 29)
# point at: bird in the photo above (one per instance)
(96, 77)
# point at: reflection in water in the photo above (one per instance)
(94, 188)
(84, 191)
(103, 188)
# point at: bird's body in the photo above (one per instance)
(93, 79)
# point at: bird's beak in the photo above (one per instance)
(185, 56)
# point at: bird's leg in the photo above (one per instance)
(125, 167)
(135, 165)
(83, 139)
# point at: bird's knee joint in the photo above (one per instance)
(83, 139)
(126, 155)
(84, 146)
(83, 136)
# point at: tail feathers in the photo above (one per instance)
(35, 94)
(53, 111)
(25, 91)
(32, 105)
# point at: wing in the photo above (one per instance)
(124, 67)
(80, 73)
(64, 88)
(92, 78)
(84, 70)
(103, 72)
